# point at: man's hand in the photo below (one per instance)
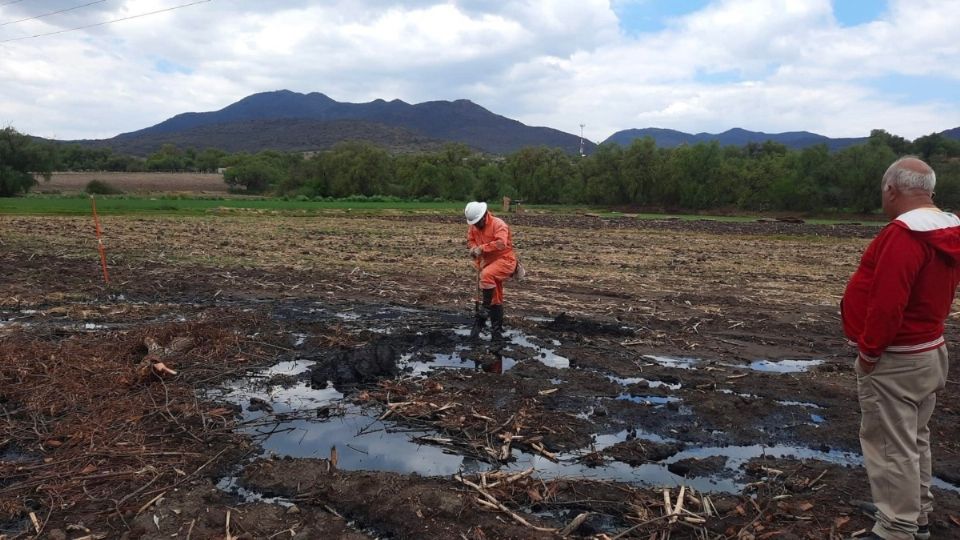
(865, 365)
(476, 251)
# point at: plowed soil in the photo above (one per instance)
(642, 355)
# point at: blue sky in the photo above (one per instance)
(835, 67)
(854, 12)
(639, 16)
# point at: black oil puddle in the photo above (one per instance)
(298, 409)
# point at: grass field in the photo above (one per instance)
(193, 204)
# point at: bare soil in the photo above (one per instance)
(75, 182)
(630, 366)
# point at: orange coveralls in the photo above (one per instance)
(498, 262)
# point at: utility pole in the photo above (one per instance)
(581, 139)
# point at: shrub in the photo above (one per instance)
(100, 187)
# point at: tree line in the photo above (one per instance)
(756, 177)
(705, 176)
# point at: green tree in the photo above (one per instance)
(639, 171)
(255, 175)
(358, 168)
(209, 160)
(169, 158)
(930, 146)
(489, 179)
(898, 144)
(859, 173)
(21, 159)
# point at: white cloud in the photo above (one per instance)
(767, 65)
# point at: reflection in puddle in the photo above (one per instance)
(544, 355)
(364, 442)
(290, 367)
(673, 362)
(649, 400)
(739, 394)
(657, 474)
(651, 383)
(783, 366)
(804, 404)
(496, 363)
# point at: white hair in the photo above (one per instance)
(909, 179)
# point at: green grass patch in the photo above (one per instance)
(180, 205)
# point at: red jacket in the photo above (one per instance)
(494, 239)
(900, 296)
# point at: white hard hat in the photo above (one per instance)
(474, 211)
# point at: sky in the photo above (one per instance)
(839, 68)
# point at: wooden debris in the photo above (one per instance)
(486, 499)
(572, 526)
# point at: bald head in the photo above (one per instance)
(909, 174)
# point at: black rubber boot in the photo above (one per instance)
(496, 323)
(482, 313)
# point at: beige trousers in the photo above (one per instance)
(896, 402)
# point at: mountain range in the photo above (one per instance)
(291, 121)
(669, 138)
(285, 120)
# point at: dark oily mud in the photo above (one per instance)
(702, 417)
(201, 511)
(601, 416)
(358, 366)
(421, 508)
(698, 466)
(566, 323)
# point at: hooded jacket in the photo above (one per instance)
(900, 295)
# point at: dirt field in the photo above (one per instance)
(136, 182)
(326, 388)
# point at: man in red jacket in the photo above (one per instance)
(491, 247)
(894, 309)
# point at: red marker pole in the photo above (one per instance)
(100, 246)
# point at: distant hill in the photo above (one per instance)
(286, 134)
(455, 121)
(668, 138)
(952, 133)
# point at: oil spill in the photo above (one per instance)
(305, 421)
(804, 404)
(515, 338)
(649, 400)
(729, 480)
(783, 366)
(673, 362)
(364, 442)
(229, 484)
(650, 383)
(437, 361)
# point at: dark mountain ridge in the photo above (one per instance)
(455, 121)
(669, 138)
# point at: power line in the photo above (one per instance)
(53, 13)
(106, 22)
(11, 3)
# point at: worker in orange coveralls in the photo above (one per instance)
(491, 247)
